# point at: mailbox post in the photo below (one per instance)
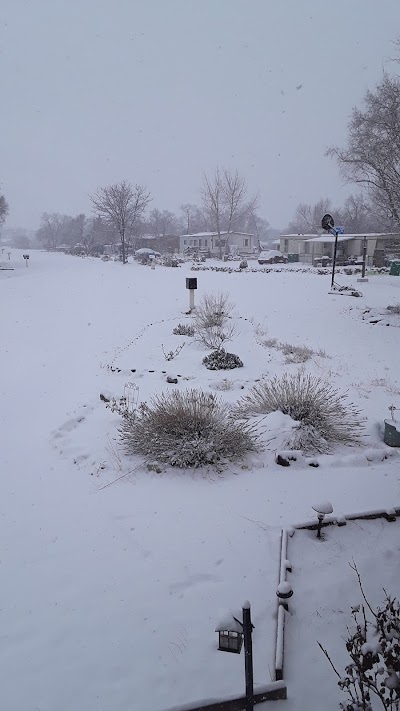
(191, 284)
(26, 257)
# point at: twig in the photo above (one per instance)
(354, 567)
(329, 659)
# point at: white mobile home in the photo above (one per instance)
(312, 248)
(240, 243)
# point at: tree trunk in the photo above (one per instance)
(123, 246)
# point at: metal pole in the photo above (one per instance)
(248, 656)
(364, 257)
(334, 257)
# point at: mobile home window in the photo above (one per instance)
(246, 242)
(285, 245)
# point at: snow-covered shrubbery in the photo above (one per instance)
(212, 320)
(324, 415)
(221, 360)
(186, 429)
(372, 679)
(183, 329)
(394, 309)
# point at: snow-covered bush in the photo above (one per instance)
(394, 309)
(372, 679)
(186, 429)
(183, 329)
(221, 360)
(324, 415)
(212, 320)
(296, 354)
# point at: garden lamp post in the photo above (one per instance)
(191, 285)
(322, 509)
(232, 633)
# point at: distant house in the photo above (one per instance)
(241, 243)
(312, 249)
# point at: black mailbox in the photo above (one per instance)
(191, 283)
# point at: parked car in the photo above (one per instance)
(272, 256)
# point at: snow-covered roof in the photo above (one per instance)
(326, 239)
(353, 235)
(215, 234)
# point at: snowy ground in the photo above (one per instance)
(111, 589)
(325, 589)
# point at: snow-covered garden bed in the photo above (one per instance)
(114, 572)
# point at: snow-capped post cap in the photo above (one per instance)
(246, 605)
(323, 507)
(284, 590)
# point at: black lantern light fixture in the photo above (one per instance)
(232, 633)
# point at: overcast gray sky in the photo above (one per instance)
(158, 91)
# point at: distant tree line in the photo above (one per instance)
(121, 215)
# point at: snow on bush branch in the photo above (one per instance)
(372, 679)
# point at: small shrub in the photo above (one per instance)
(212, 320)
(213, 311)
(323, 414)
(243, 264)
(296, 354)
(221, 360)
(394, 309)
(183, 329)
(170, 355)
(186, 429)
(216, 336)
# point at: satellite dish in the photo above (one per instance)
(327, 222)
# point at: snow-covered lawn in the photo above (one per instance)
(113, 576)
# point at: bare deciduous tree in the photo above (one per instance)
(193, 219)
(53, 229)
(225, 200)
(234, 191)
(307, 218)
(121, 205)
(372, 156)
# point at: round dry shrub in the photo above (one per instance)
(183, 329)
(324, 415)
(187, 428)
(221, 360)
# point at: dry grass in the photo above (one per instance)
(186, 429)
(324, 416)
